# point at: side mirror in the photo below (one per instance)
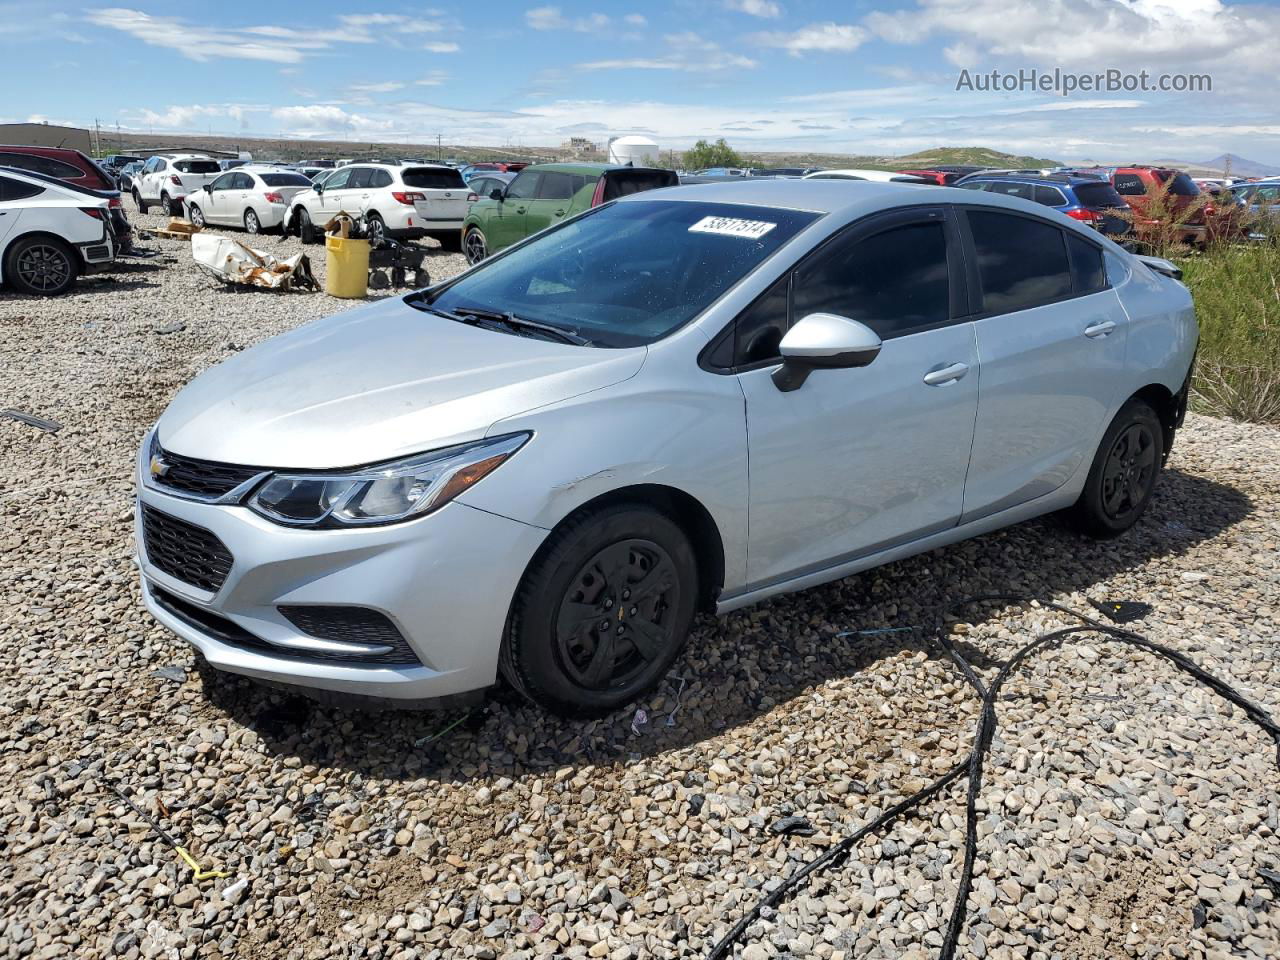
(823, 341)
(497, 195)
(208, 188)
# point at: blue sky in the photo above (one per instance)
(859, 77)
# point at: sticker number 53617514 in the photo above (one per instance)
(733, 227)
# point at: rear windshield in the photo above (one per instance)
(1183, 186)
(1098, 195)
(620, 183)
(425, 178)
(1129, 185)
(627, 273)
(197, 166)
(284, 180)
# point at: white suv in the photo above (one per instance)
(50, 232)
(404, 202)
(166, 180)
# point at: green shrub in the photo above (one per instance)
(1237, 294)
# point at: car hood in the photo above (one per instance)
(375, 383)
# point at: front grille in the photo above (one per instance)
(184, 551)
(351, 625)
(201, 478)
(233, 635)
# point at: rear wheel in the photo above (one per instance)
(169, 206)
(602, 612)
(1124, 472)
(44, 266)
(251, 223)
(474, 246)
(377, 229)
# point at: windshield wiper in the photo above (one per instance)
(508, 319)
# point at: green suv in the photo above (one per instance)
(548, 193)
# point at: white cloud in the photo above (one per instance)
(329, 119)
(821, 37)
(201, 43)
(386, 86)
(441, 46)
(434, 79)
(756, 8)
(686, 52)
(552, 18)
(373, 27)
(635, 20)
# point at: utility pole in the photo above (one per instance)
(439, 149)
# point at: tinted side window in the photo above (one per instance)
(380, 178)
(1129, 185)
(1022, 190)
(895, 282)
(556, 186)
(974, 185)
(36, 164)
(1181, 185)
(1021, 262)
(524, 186)
(1087, 272)
(1049, 196)
(224, 182)
(338, 180)
(360, 178)
(17, 189)
(243, 182)
(760, 328)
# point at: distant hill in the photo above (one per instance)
(978, 156)
(1241, 167)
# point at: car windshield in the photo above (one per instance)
(627, 273)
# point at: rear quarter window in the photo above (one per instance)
(622, 183)
(18, 190)
(1049, 196)
(38, 164)
(427, 179)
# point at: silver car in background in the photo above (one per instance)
(688, 399)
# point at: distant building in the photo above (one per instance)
(45, 135)
(578, 146)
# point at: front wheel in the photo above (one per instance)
(137, 199)
(1124, 472)
(474, 246)
(306, 231)
(251, 222)
(602, 612)
(196, 216)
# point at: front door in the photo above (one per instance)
(859, 460)
(216, 201)
(1051, 334)
(551, 205)
(505, 225)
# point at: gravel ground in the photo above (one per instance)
(1127, 811)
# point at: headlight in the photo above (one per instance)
(382, 494)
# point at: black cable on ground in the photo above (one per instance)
(972, 766)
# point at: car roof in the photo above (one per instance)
(582, 167)
(1048, 180)
(844, 199)
(43, 180)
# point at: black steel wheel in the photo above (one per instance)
(474, 247)
(1123, 475)
(44, 266)
(603, 610)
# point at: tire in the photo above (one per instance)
(306, 230)
(450, 242)
(1123, 474)
(195, 215)
(137, 199)
(474, 246)
(602, 612)
(376, 229)
(251, 222)
(169, 207)
(41, 266)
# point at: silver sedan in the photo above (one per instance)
(689, 399)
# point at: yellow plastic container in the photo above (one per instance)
(346, 270)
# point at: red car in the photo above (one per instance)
(1134, 182)
(73, 166)
(942, 178)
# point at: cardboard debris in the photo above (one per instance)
(175, 229)
(341, 224)
(232, 262)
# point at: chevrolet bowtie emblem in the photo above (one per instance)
(158, 467)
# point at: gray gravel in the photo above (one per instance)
(1127, 813)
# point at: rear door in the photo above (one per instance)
(444, 194)
(505, 224)
(1051, 339)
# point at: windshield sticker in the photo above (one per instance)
(733, 227)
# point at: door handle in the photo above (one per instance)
(948, 374)
(559, 213)
(1100, 329)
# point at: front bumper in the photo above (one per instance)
(445, 581)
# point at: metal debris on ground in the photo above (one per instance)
(230, 261)
(793, 827)
(433, 737)
(1122, 611)
(874, 631)
(671, 717)
(640, 719)
(48, 426)
(179, 849)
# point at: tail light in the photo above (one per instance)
(175, 179)
(472, 197)
(1088, 216)
(273, 197)
(597, 197)
(407, 198)
(95, 212)
(115, 202)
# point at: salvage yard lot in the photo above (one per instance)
(1127, 811)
